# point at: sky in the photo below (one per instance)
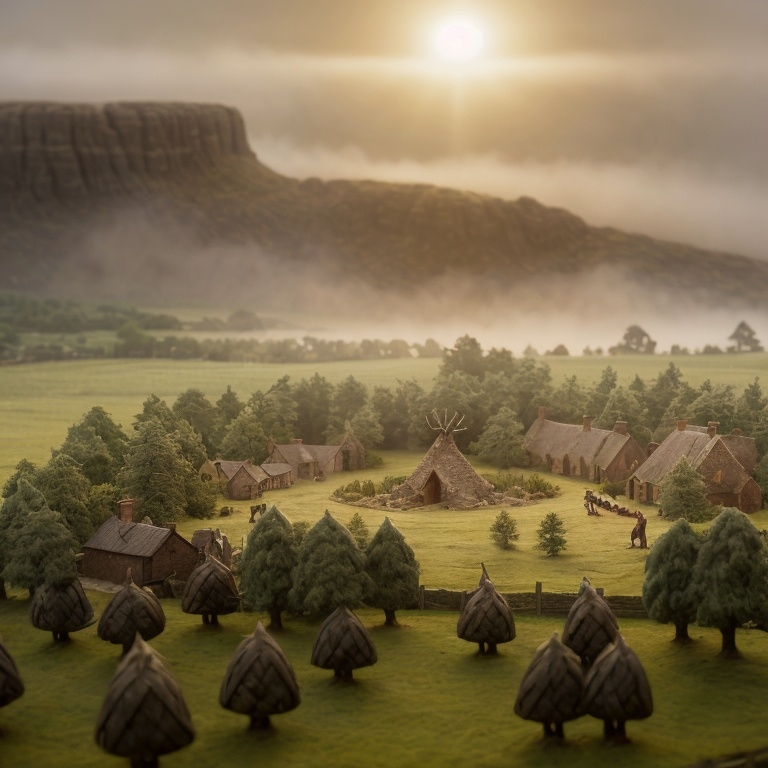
(646, 116)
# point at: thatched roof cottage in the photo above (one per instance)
(726, 462)
(311, 461)
(580, 450)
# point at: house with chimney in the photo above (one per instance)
(581, 450)
(311, 461)
(726, 462)
(152, 553)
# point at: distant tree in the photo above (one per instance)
(228, 406)
(359, 530)
(636, 341)
(245, 439)
(532, 384)
(504, 530)
(732, 574)
(366, 427)
(661, 393)
(714, 403)
(397, 410)
(330, 571)
(313, 405)
(624, 405)
(276, 410)
(501, 443)
(749, 408)
(155, 474)
(180, 430)
(559, 350)
(551, 534)
(43, 552)
(460, 393)
(744, 339)
(761, 476)
(570, 402)
(266, 566)
(670, 592)
(196, 409)
(393, 570)
(349, 397)
(466, 356)
(683, 494)
(599, 394)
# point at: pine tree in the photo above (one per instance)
(394, 572)
(683, 494)
(359, 530)
(501, 442)
(670, 593)
(267, 564)
(732, 573)
(504, 530)
(551, 534)
(330, 571)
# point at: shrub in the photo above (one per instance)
(504, 530)
(389, 482)
(551, 534)
(614, 489)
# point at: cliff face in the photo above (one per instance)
(84, 188)
(60, 151)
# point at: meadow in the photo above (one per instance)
(430, 700)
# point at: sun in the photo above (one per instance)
(458, 41)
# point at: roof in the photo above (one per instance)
(461, 485)
(273, 470)
(593, 446)
(257, 473)
(228, 468)
(128, 538)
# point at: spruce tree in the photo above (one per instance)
(394, 572)
(670, 592)
(683, 494)
(330, 571)
(267, 563)
(732, 573)
(504, 530)
(551, 534)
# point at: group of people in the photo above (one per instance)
(593, 504)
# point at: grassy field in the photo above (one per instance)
(39, 402)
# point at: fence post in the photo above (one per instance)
(600, 591)
(538, 598)
(422, 590)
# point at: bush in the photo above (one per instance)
(373, 461)
(504, 530)
(518, 485)
(389, 482)
(551, 534)
(614, 489)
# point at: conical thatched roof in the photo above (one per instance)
(144, 714)
(590, 625)
(460, 486)
(343, 644)
(131, 610)
(486, 617)
(11, 686)
(551, 688)
(210, 590)
(61, 608)
(259, 680)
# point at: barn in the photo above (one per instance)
(311, 461)
(153, 554)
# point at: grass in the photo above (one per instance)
(429, 701)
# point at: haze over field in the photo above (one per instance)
(648, 117)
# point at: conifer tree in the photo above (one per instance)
(330, 571)
(551, 534)
(267, 564)
(670, 593)
(394, 572)
(683, 494)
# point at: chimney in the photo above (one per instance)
(587, 423)
(125, 510)
(298, 441)
(170, 526)
(650, 448)
(681, 425)
(542, 413)
(621, 427)
(270, 445)
(712, 428)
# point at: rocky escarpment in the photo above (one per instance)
(60, 151)
(72, 175)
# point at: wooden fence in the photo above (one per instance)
(538, 602)
(757, 759)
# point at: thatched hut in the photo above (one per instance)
(444, 477)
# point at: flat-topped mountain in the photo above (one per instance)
(87, 188)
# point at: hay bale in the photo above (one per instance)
(259, 680)
(11, 685)
(210, 591)
(144, 714)
(343, 644)
(551, 689)
(131, 610)
(61, 608)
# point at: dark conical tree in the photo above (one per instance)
(131, 610)
(343, 645)
(144, 714)
(683, 493)
(210, 591)
(259, 680)
(486, 618)
(330, 571)
(267, 565)
(670, 592)
(590, 625)
(551, 688)
(732, 574)
(616, 689)
(11, 685)
(394, 572)
(61, 608)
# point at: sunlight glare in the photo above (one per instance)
(458, 40)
